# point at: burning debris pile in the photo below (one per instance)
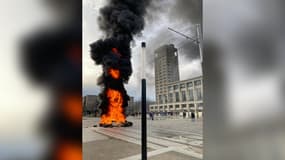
(120, 20)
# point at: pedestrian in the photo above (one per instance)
(192, 116)
(184, 114)
(151, 115)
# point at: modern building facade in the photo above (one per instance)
(166, 69)
(182, 96)
(172, 95)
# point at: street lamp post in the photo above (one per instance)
(143, 107)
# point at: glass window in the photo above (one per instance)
(171, 106)
(191, 105)
(189, 84)
(176, 106)
(198, 94)
(191, 95)
(170, 98)
(183, 105)
(182, 86)
(183, 96)
(177, 96)
(160, 99)
(175, 87)
(165, 98)
(197, 83)
(170, 88)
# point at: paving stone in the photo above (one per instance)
(172, 155)
(110, 149)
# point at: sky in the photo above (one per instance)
(160, 16)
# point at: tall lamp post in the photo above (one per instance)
(143, 107)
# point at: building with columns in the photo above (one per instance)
(172, 95)
(181, 96)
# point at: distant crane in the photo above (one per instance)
(197, 40)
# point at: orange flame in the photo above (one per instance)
(114, 73)
(115, 112)
(115, 51)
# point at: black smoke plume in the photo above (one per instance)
(120, 20)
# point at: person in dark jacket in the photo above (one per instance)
(151, 115)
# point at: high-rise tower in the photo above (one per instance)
(166, 70)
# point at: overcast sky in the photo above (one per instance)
(161, 14)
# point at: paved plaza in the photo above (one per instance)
(168, 139)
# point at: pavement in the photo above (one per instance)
(168, 139)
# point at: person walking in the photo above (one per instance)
(184, 114)
(151, 115)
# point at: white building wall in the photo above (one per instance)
(180, 106)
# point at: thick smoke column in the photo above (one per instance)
(120, 20)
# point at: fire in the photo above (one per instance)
(115, 112)
(115, 51)
(114, 73)
(115, 99)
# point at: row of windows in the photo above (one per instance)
(176, 106)
(183, 97)
(183, 85)
(161, 78)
